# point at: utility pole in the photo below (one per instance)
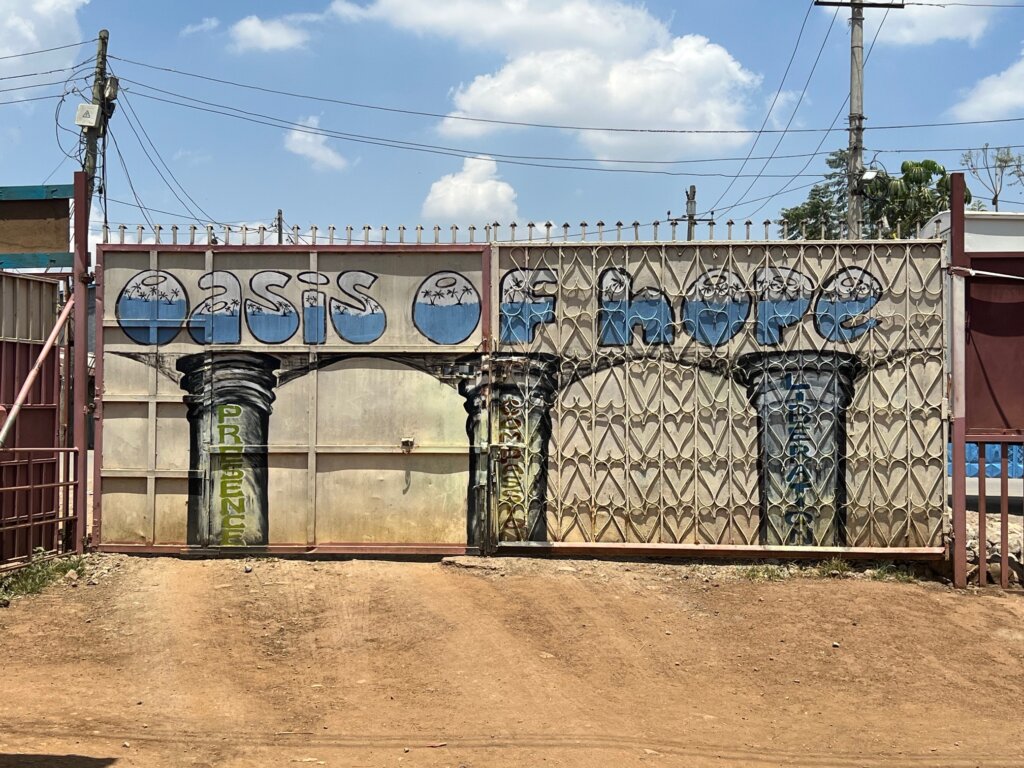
(100, 97)
(280, 226)
(855, 161)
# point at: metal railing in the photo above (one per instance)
(38, 515)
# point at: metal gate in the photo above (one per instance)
(988, 364)
(266, 398)
(37, 466)
(723, 397)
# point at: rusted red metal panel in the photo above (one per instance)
(30, 482)
(994, 349)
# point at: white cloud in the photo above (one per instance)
(314, 147)
(784, 104)
(474, 195)
(29, 26)
(208, 24)
(994, 97)
(922, 25)
(583, 62)
(519, 26)
(255, 34)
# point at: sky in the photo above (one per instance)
(473, 111)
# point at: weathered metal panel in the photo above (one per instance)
(34, 473)
(752, 395)
(994, 354)
(722, 394)
(261, 397)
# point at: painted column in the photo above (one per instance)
(518, 429)
(801, 400)
(229, 402)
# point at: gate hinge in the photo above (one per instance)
(945, 409)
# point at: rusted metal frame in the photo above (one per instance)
(80, 276)
(958, 381)
(353, 548)
(1004, 516)
(97, 441)
(312, 420)
(738, 551)
(29, 383)
(485, 507)
(37, 449)
(36, 523)
(21, 561)
(301, 249)
(31, 511)
(153, 383)
(982, 514)
(31, 486)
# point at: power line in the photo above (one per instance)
(786, 188)
(554, 158)
(33, 85)
(128, 177)
(555, 126)
(34, 98)
(796, 107)
(276, 122)
(174, 213)
(128, 106)
(152, 162)
(775, 99)
(44, 72)
(46, 50)
(970, 5)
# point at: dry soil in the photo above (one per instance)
(166, 662)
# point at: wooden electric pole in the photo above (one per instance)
(855, 160)
(99, 98)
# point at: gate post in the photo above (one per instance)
(958, 321)
(520, 390)
(229, 402)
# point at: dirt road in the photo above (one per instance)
(372, 663)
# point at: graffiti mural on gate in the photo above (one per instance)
(792, 338)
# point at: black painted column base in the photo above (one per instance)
(801, 400)
(229, 402)
(521, 390)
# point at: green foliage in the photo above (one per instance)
(834, 568)
(892, 572)
(765, 573)
(824, 211)
(892, 203)
(38, 574)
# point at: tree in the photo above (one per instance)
(824, 211)
(892, 203)
(908, 201)
(1001, 162)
